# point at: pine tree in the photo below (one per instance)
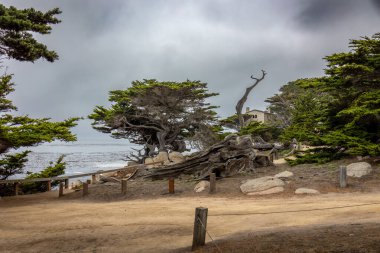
(17, 42)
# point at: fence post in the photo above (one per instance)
(85, 189)
(17, 186)
(200, 225)
(343, 176)
(124, 186)
(66, 183)
(60, 189)
(171, 185)
(49, 185)
(212, 182)
(93, 178)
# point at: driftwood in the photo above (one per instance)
(226, 158)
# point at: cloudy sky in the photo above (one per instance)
(104, 45)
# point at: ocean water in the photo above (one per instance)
(79, 157)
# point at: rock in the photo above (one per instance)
(162, 157)
(284, 174)
(201, 186)
(358, 169)
(306, 191)
(261, 184)
(176, 157)
(269, 191)
(149, 160)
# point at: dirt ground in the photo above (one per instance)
(148, 219)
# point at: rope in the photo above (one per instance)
(297, 211)
(204, 227)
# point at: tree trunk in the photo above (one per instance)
(225, 158)
(241, 102)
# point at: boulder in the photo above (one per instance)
(176, 157)
(306, 191)
(162, 157)
(284, 174)
(269, 191)
(149, 160)
(201, 186)
(261, 184)
(358, 169)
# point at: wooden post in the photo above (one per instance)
(212, 183)
(85, 189)
(93, 178)
(171, 185)
(66, 183)
(124, 186)
(17, 187)
(60, 189)
(49, 185)
(343, 176)
(200, 225)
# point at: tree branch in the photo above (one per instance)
(243, 99)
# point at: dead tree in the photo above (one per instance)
(226, 158)
(241, 102)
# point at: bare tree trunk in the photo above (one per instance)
(161, 136)
(241, 102)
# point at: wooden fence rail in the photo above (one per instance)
(65, 178)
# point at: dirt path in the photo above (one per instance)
(44, 223)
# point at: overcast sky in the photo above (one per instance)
(104, 45)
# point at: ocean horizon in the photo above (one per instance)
(80, 157)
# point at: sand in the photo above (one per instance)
(45, 223)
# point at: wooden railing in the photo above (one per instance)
(66, 178)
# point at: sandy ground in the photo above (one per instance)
(44, 223)
(148, 219)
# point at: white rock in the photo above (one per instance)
(358, 169)
(162, 157)
(284, 174)
(261, 184)
(269, 191)
(176, 157)
(201, 186)
(306, 191)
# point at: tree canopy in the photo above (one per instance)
(340, 110)
(156, 114)
(17, 30)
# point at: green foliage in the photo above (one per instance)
(155, 113)
(22, 131)
(342, 109)
(12, 164)
(17, 31)
(317, 155)
(53, 170)
(267, 132)
(17, 28)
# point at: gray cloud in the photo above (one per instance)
(104, 45)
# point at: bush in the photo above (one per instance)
(51, 171)
(316, 155)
